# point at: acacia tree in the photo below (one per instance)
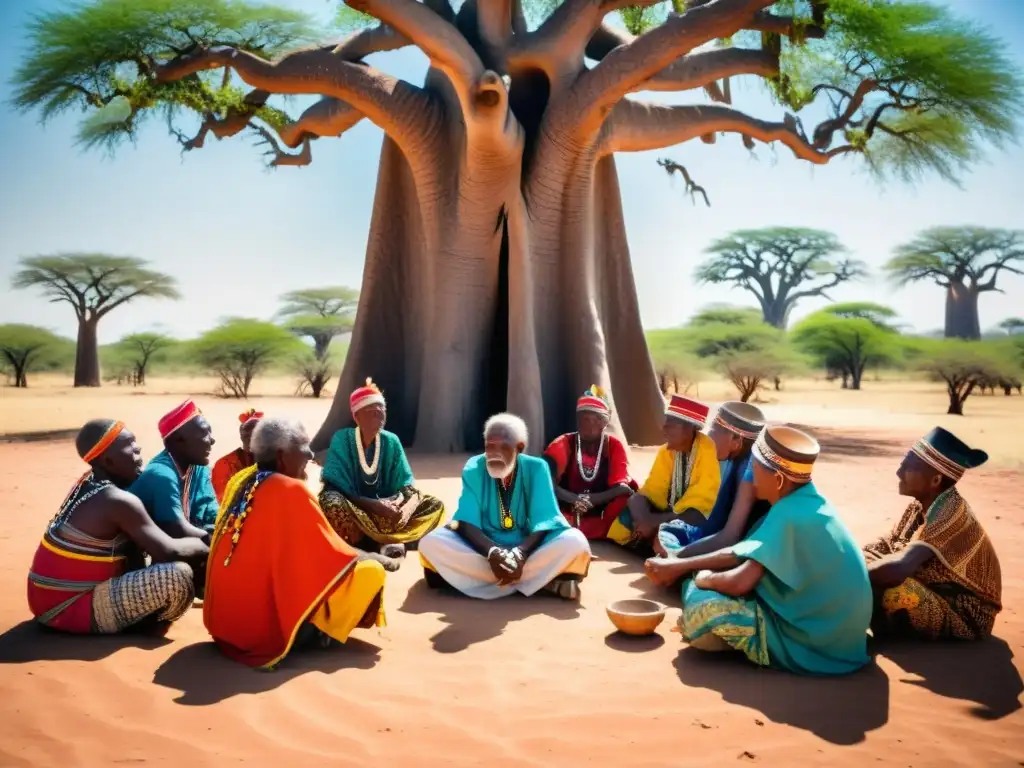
(963, 367)
(139, 349)
(239, 349)
(320, 314)
(747, 355)
(966, 261)
(1012, 325)
(780, 266)
(27, 348)
(94, 284)
(497, 195)
(848, 338)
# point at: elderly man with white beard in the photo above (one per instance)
(507, 534)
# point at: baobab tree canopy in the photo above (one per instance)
(966, 261)
(780, 266)
(497, 273)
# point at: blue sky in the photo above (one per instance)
(237, 236)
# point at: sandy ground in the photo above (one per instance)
(516, 682)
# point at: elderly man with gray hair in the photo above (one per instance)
(277, 570)
(507, 534)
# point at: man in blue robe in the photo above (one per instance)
(507, 534)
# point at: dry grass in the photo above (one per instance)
(909, 407)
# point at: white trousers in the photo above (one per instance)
(463, 568)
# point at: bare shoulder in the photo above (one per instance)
(120, 500)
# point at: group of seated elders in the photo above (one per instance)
(590, 469)
(508, 534)
(175, 487)
(794, 593)
(683, 483)
(278, 573)
(369, 494)
(89, 573)
(230, 464)
(936, 575)
(733, 431)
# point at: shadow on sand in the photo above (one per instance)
(981, 672)
(29, 641)
(837, 444)
(619, 641)
(840, 710)
(472, 621)
(624, 562)
(205, 676)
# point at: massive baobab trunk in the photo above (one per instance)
(87, 354)
(497, 272)
(962, 321)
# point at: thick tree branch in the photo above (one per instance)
(327, 117)
(446, 47)
(392, 104)
(636, 126)
(697, 70)
(565, 35)
(625, 68)
(494, 20)
(365, 42)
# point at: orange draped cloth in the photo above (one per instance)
(227, 467)
(286, 564)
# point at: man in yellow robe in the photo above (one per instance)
(683, 483)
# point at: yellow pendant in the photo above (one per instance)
(507, 522)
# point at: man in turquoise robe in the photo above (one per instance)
(794, 594)
(176, 487)
(507, 534)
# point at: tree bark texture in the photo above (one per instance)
(87, 354)
(497, 272)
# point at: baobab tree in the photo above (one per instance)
(94, 284)
(780, 266)
(966, 261)
(497, 274)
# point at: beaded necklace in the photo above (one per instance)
(86, 487)
(369, 470)
(507, 521)
(588, 477)
(681, 466)
(237, 514)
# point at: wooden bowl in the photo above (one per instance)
(636, 616)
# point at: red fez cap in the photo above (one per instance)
(687, 409)
(178, 418)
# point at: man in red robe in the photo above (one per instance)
(590, 469)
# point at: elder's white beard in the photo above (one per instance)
(499, 470)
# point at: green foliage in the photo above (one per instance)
(28, 349)
(849, 338)
(964, 366)
(779, 266)
(240, 349)
(747, 355)
(677, 365)
(93, 283)
(972, 256)
(350, 20)
(84, 56)
(133, 355)
(715, 315)
(943, 87)
(320, 314)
